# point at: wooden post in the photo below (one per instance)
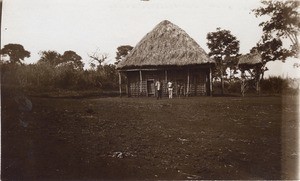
(127, 85)
(188, 83)
(222, 81)
(210, 81)
(257, 87)
(120, 84)
(243, 85)
(141, 82)
(257, 80)
(166, 75)
(166, 82)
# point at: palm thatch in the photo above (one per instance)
(165, 45)
(250, 59)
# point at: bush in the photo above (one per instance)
(230, 87)
(45, 77)
(234, 87)
(274, 85)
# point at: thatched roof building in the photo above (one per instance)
(250, 59)
(251, 69)
(166, 44)
(167, 53)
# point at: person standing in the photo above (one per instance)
(180, 90)
(158, 89)
(170, 89)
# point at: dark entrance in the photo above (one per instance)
(150, 87)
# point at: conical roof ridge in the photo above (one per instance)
(166, 44)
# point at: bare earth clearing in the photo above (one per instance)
(144, 138)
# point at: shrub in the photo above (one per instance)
(274, 85)
(42, 77)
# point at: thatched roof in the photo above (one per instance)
(165, 45)
(250, 59)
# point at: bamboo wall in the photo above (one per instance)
(142, 83)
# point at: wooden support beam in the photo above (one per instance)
(188, 83)
(257, 87)
(166, 75)
(257, 79)
(141, 82)
(210, 81)
(120, 84)
(127, 85)
(243, 83)
(166, 81)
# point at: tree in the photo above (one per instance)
(224, 48)
(270, 49)
(283, 24)
(122, 51)
(108, 76)
(51, 57)
(72, 59)
(16, 53)
(97, 58)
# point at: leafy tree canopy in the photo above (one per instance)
(16, 53)
(122, 51)
(224, 48)
(271, 49)
(73, 59)
(283, 23)
(51, 57)
(222, 44)
(55, 59)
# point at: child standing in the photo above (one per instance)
(170, 89)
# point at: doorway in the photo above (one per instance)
(150, 87)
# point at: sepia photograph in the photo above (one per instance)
(150, 89)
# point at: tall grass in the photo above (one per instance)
(274, 85)
(43, 77)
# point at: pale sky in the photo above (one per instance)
(84, 26)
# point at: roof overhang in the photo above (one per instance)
(166, 67)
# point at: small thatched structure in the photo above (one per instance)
(167, 53)
(250, 60)
(251, 66)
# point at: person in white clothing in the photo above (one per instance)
(170, 89)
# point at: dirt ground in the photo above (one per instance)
(145, 138)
